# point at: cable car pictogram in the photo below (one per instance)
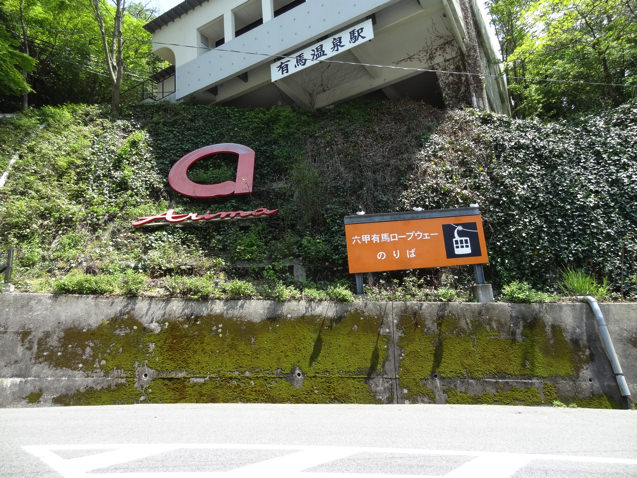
(461, 244)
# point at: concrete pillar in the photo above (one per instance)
(299, 272)
(267, 9)
(483, 293)
(228, 26)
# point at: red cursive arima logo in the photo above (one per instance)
(178, 180)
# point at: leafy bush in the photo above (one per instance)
(191, 287)
(550, 193)
(238, 289)
(579, 283)
(80, 283)
(313, 294)
(445, 294)
(522, 292)
(413, 288)
(340, 293)
(132, 283)
(280, 292)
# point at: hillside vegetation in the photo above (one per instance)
(554, 196)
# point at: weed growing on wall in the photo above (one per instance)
(521, 292)
(579, 283)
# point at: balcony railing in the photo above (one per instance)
(159, 86)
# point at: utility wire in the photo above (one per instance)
(353, 63)
(406, 68)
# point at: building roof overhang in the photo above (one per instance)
(172, 14)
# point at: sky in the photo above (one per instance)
(163, 5)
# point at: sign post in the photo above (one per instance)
(415, 240)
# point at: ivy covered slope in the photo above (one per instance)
(552, 195)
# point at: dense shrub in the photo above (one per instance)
(553, 195)
(239, 289)
(132, 283)
(340, 293)
(79, 283)
(579, 283)
(521, 292)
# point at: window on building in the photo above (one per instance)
(250, 15)
(282, 6)
(209, 35)
(204, 44)
(247, 17)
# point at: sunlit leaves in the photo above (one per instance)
(567, 56)
(13, 64)
(64, 38)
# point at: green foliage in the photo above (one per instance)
(132, 283)
(313, 294)
(413, 288)
(192, 287)
(280, 292)
(579, 283)
(340, 293)
(79, 283)
(13, 65)
(521, 292)
(238, 289)
(566, 57)
(446, 294)
(558, 404)
(127, 283)
(551, 194)
(64, 39)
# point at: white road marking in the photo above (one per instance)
(292, 465)
(493, 465)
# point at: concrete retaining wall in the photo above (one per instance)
(96, 350)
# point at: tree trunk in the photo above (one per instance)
(25, 46)
(115, 92)
(115, 53)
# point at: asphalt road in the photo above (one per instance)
(316, 441)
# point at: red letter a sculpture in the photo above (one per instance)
(178, 178)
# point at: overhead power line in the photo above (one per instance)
(353, 63)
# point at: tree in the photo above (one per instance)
(506, 17)
(61, 35)
(25, 45)
(65, 39)
(114, 53)
(13, 64)
(568, 56)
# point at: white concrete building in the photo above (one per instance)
(315, 53)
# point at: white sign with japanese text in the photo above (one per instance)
(329, 47)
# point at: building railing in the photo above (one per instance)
(146, 90)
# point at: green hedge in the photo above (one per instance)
(553, 195)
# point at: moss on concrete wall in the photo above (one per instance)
(171, 351)
(216, 359)
(123, 393)
(475, 349)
